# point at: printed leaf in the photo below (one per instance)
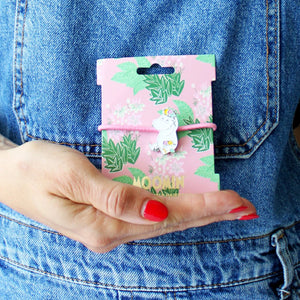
(153, 191)
(207, 58)
(165, 192)
(162, 87)
(130, 77)
(208, 160)
(143, 62)
(207, 171)
(201, 138)
(169, 192)
(185, 112)
(117, 155)
(129, 146)
(137, 173)
(123, 179)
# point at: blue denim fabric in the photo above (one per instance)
(48, 91)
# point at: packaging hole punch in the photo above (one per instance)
(157, 125)
(155, 69)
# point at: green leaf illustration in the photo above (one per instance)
(169, 192)
(207, 58)
(208, 170)
(165, 192)
(117, 155)
(201, 138)
(137, 173)
(132, 152)
(129, 75)
(123, 179)
(185, 112)
(163, 86)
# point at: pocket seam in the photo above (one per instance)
(276, 77)
(18, 79)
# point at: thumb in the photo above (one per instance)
(126, 202)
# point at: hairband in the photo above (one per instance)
(152, 129)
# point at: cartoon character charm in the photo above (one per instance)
(167, 125)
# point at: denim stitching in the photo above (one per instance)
(22, 86)
(268, 86)
(163, 289)
(217, 146)
(21, 63)
(232, 283)
(175, 297)
(16, 45)
(15, 61)
(166, 295)
(158, 244)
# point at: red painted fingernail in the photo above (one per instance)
(238, 209)
(249, 217)
(155, 211)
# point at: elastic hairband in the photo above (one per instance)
(152, 129)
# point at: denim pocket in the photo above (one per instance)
(247, 88)
(57, 45)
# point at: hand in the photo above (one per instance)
(59, 187)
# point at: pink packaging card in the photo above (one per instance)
(141, 144)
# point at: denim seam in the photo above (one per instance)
(22, 86)
(268, 88)
(21, 64)
(217, 146)
(158, 244)
(175, 296)
(140, 288)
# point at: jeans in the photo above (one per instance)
(48, 91)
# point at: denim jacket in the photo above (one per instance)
(48, 91)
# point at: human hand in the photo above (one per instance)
(59, 187)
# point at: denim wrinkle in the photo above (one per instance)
(279, 241)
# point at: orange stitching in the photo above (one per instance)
(268, 86)
(15, 62)
(21, 64)
(161, 244)
(16, 46)
(244, 153)
(65, 143)
(29, 226)
(150, 288)
(217, 146)
(22, 86)
(276, 56)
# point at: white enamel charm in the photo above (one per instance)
(167, 125)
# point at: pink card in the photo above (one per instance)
(157, 130)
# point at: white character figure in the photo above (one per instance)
(167, 125)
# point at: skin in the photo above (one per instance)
(59, 187)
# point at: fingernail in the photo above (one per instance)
(238, 209)
(155, 211)
(249, 217)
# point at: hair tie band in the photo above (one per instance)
(152, 129)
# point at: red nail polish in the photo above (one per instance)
(249, 217)
(238, 209)
(155, 211)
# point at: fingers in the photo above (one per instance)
(186, 211)
(85, 184)
(81, 203)
(193, 210)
